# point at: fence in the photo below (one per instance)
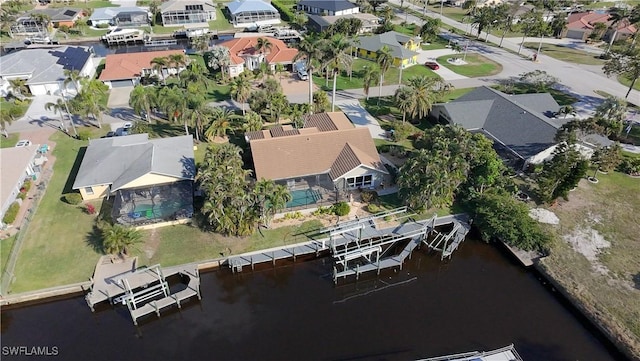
(8, 275)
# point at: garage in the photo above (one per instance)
(576, 34)
(121, 83)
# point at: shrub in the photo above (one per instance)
(322, 211)
(73, 198)
(84, 134)
(373, 208)
(27, 185)
(12, 213)
(91, 209)
(22, 195)
(402, 131)
(630, 166)
(341, 209)
(286, 12)
(368, 196)
(102, 26)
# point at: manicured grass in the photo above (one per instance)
(221, 23)
(218, 92)
(608, 4)
(57, 248)
(438, 43)
(88, 33)
(567, 54)
(455, 94)
(477, 66)
(159, 29)
(454, 13)
(92, 4)
(10, 141)
(409, 29)
(624, 81)
(5, 251)
(391, 76)
(560, 97)
(610, 208)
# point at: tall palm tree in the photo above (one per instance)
(141, 99)
(117, 239)
(73, 77)
(384, 60)
(264, 46)
(58, 107)
(404, 100)
(158, 64)
(369, 77)
(338, 55)
(617, 16)
(200, 43)
(221, 119)
(252, 121)
(240, 90)
(309, 51)
(177, 61)
(173, 102)
(198, 113)
(19, 86)
(423, 94)
(7, 116)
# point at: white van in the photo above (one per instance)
(301, 71)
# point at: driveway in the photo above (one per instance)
(119, 97)
(444, 72)
(360, 117)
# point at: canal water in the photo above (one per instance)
(479, 300)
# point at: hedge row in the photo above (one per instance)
(11, 214)
(285, 11)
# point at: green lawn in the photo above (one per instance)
(92, 4)
(624, 81)
(8, 142)
(438, 43)
(221, 23)
(159, 29)
(608, 4)
(5, 251)
(88, 33)
(454, 13)
(455, 94)
(477, 66)
(521, 88)
(567, 54)
(391, 77)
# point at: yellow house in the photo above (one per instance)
(403, 47)
(150, 180)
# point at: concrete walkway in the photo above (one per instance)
(361, 117)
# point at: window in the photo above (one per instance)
(361, 181)
(88, 190)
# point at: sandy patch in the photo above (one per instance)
(544, 216)
(589, 243)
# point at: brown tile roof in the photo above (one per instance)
(319, 122)
(279, 53)
(130, 65)
(316, 153)
(587, 21)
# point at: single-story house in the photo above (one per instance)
(522, 126)
(187, 12)
(320, 162)
(581, 25)
(119, 16)
(320, 23)
(244, 54)
(29, 25)
(18, 165)
(150, 179)
(403, 47)
(126, 69)
(252, 13)
(328, 7)
(44, 68)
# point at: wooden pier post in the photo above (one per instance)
(273, 258)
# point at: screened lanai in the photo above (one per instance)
(155, 204)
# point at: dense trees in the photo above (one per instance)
(561, 173)
(218, 57)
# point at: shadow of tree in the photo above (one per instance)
(94, 239)
(636, 281)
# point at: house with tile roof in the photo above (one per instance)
(119, 16)
(43, 69)
(581, 25)
(328, 7)
(321, 162)
(126, 69)
(244, 54)
(190, 13)
(252, 13)
(403, 47)
(151, 180)
(522, 126)
(30, 25)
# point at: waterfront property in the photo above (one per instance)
(252, 13)
(187, 13)
(521, 126)
(328, 7)
(150, 180)
(31, 24)
(18, 164)
(323, 161)
(126, 69)
(245, 55)
(119, 16)
(507, 353)
(403, 47)
(43, 69)
(319, 23)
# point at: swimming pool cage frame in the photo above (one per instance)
(154, 204)
(319, 191)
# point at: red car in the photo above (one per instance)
(432, 65)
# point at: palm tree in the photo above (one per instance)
(220, 124)
(370, 75)
(58, 107)
(173, 102)
(73, 77)
(338, 55)
(198, 113)
(158, 64)
(177, 61)
(240, 90)
(279, 70)
(117, 239)
(404, 100)
(19, 86)
(264, 46)
(7, 116)
(200, 43)
(617, 16)
(384, 60)
(309, 50)
(141, 99)
(252, 122)
(423, 95)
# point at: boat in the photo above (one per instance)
(507, 353)
(123, 36)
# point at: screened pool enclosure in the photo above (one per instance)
(155, 204)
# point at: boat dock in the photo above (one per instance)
(507, 353)
(148, 41)
(360, 245)
(143, 291)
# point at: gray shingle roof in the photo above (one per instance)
(58, 14)
(393, 40)
(507, 119)
(120, 160)
(240, 6)
(44, 65)
(329, 5)
(110, 13)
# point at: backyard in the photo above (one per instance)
(477, 65)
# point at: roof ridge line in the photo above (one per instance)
(525, 108)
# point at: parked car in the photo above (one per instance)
(432, 65)
(23, 143)
(301, 71)
(110, 134)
